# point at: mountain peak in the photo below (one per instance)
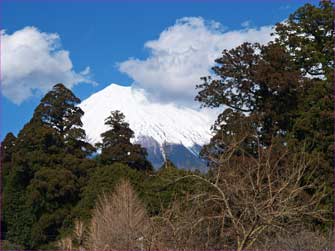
(162, 123)
(117, 87)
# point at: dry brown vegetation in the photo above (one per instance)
(247, 202)
(119, 222)
(247, 198)
(298, 238)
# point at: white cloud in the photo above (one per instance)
(182, 54)
(246, 24)
(33, 61)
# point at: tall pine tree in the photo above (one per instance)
(49, 168)
(117, 147)
(59, 110)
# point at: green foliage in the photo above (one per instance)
(281, 91)
(6, 245)
(116, 145)
(17, 216)
(48, 226)
(103, 180)
(273, 82)
(58, 110)
(167, 185)
(49, 169)
(157, 190)
(7, 147)
(51, 189)
(259, 80)
(310, 28)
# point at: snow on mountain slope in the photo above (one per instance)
(164, 123)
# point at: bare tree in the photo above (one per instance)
(253, 194)
(119, 221)
(75, 241)
(65, 243)
(298, 238)
(179, 227)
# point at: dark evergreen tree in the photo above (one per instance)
(311, 29)
(117, 147)
(308, 35)
(17, 216)
(7, 146)
(6, 151)
(260, 81)
(282, 91)
(59, 110)
(103, 180)
(231, 128)
(49, 169)
(51, 195)
(280, 83)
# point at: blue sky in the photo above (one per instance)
(104, 35)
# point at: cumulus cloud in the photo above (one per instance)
(182, 54)
(33, 61)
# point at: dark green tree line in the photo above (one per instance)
(282, 91)
(48, 169)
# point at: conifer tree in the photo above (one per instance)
(257, 80)
(308, 35)
(282, 91)
(6, 151)
(117, 147)
(310, 28)
(7, 146)
(281, 83)
(48, 170)
(58, 109)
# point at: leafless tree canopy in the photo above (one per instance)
(119, 221)
(247, 197)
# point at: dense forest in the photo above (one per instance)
(270, 178)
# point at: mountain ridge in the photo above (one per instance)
(155, 125)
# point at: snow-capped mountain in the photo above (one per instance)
(164, 129)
